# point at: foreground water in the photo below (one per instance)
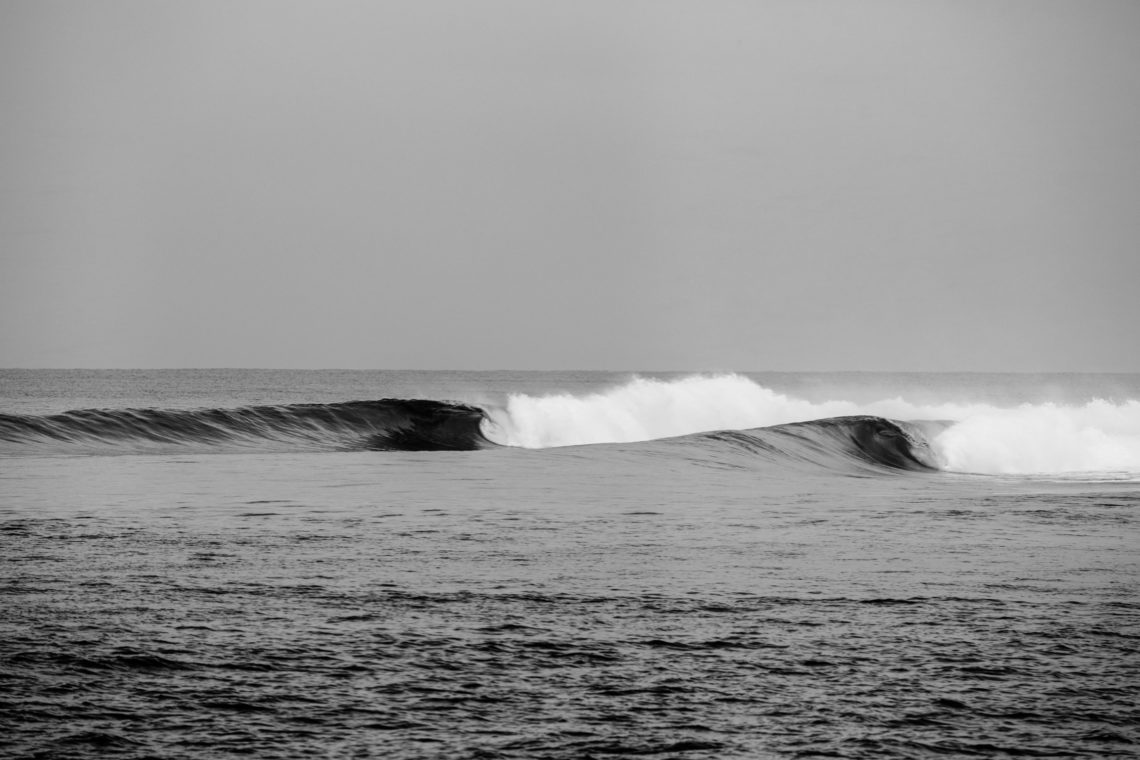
(700, 596)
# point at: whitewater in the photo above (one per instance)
(530, 565)
(1097, 436)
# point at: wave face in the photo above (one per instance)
(384, 425)
(845, 444)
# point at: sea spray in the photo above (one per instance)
(645, 409)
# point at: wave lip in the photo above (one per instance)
(382, 425)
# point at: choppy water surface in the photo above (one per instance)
(687, 598)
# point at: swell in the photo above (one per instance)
(382, 425)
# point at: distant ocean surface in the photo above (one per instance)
(354, 564)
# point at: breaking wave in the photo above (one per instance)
(1096, 437)
(845, 444)
(384, 425)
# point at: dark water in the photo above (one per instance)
(737, 595)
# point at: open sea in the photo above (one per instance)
(485, 565)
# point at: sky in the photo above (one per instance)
(597, 184)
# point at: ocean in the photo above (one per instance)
(359, 564)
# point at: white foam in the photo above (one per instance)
(645, 409)
(1043, 438)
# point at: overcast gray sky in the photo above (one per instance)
(546, 185)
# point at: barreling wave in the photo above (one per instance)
(383, 425)
(844, 444)
(1098, 437)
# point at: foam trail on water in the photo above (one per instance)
(1042, 438)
